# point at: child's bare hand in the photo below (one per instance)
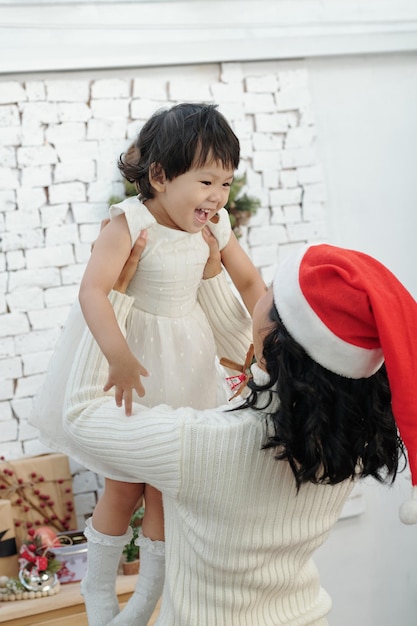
(124, 376)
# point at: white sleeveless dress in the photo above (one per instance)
(167, 329)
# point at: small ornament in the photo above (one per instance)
(37, 565)
(33, 580)
(238, 383)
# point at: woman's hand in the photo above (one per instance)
(131, 264)
(214, 262)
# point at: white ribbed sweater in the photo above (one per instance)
(239, 539)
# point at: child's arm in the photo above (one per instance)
(111, 250)
(243, 273)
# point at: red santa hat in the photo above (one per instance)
(350, 314)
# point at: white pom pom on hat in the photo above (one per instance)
(350, 314)
(408, 509)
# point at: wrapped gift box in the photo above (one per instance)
(39, 489)
(73, 557)
(8, 549)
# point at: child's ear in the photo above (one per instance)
(157, 176)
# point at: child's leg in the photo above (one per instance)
(107, 533)
(151, 578)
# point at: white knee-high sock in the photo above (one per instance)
(148, 590)
(98, 586)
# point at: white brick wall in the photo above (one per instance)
(59, 143)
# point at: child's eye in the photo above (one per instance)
(206, 182)
(227, 184)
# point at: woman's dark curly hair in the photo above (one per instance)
(329, 428)
(176, 139)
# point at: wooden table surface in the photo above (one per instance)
(66, 608)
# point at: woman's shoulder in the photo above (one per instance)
(137, 215)
(226, 416)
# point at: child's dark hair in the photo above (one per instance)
(176, 139)
(328, 427)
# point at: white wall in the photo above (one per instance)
(70, 35)
(368, 564)
(367, 142)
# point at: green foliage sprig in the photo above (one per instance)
(239, 201)
(131, 550)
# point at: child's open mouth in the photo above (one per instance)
(202, 215)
